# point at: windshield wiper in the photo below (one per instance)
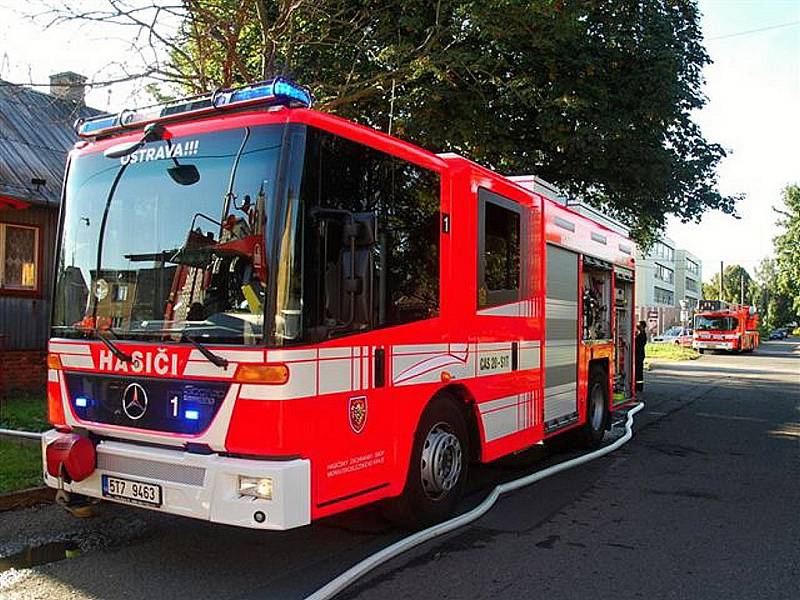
(120, 354)
(215, 359)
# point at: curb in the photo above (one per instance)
(26, 498)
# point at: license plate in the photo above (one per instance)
(128, 490)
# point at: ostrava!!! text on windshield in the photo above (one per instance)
(174, 255)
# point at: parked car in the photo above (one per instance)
(685, 339)
(779, 334)
(675, 335)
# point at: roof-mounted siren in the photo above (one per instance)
(274, 92)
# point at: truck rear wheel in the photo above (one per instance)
(438, 469)
(591, 434)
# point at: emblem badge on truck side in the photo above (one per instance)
(357, 410)
(134, 401)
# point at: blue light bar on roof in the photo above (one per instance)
(281, 90)
(275, 92)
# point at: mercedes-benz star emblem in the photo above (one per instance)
(134, 401)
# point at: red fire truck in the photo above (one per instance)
(266, 314)
(722, 326)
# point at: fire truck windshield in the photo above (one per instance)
(719, 323)
(176, 255)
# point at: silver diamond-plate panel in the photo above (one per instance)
(126, 465)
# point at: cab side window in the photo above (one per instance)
(500, 235)
(345, 175)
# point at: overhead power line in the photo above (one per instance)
(750, 31)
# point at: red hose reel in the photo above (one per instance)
(71, 456)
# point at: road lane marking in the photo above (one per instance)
(730, 417)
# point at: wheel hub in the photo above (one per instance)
(441, 461)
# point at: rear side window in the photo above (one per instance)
(499, 249)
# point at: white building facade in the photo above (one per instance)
(688, 278)
(667, 280)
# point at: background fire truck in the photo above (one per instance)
(722, 326)
(266, 315)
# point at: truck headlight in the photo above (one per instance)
(257, 487)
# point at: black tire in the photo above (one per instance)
(597, 416)
(425, 500)
(701, 350)
(590, 434)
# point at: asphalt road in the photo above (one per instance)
(702, 503)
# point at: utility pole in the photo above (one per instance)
(741, 289)
(721, 285)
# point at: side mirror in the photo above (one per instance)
(184, 174)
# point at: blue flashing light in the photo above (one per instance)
(192, 415)
(81, 402)
(89, 128)
(275, 92)
(279, 91)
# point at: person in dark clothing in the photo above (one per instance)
(641, 342)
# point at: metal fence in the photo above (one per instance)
(31, 435)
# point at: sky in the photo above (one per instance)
(753, 110)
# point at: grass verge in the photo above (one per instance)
(670, 352)
(24, 411)
(20, 465)
(21, 461)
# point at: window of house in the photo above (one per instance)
(692, 267)
(691, 285)
(499, 251)
(19, 257)
(661, 250)
(121, 293)
(665, 274)
(662, 296)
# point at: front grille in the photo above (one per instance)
(126, 465)
(168, 405)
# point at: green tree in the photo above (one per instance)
(734, 277)
(774, 306)
(595, 96)
(787, 246)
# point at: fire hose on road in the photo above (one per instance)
(360, 569)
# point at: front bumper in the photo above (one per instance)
(202, 486)
(713, 345)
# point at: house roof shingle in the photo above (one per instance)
(35, 136)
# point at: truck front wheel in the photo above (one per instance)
(438, 469)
